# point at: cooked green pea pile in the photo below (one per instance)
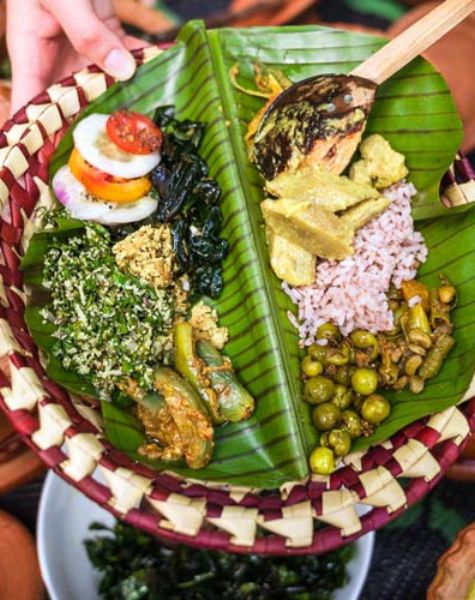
(342, 375)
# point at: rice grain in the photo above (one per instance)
(352, 293)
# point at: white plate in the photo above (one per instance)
(63, 520)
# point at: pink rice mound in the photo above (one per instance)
(352, 293)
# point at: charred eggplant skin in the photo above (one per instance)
(192, 368)
(313, 110)
(189, 415)
(235, 402)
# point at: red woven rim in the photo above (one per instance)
(23, 198)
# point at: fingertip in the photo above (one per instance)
(120, 64)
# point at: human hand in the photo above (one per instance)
(48, 39)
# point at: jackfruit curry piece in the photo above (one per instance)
(129, 283)
(316, 212)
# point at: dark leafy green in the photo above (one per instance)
(189, 201)
(136, 566)
(189, 198)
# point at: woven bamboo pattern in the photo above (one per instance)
(311, 516)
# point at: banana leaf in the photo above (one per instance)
(122, 429)
(414, 110)
(42, 331)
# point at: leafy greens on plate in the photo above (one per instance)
(134, 565)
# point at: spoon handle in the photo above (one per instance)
(414, 40)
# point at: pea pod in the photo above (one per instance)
(436, 356)
(439, 312)
(189, 415)
(399, 314)
(417, 319)
(193, 369)
(447, 292)
(235, 402)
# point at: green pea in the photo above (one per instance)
(322, 461)
(338, 356)
(364, 381)
(362, 338)
(375, 409)
(317, 352)
(340, 441)
(343, 375)
(311, 367)
(328, 331)
(325, 416)
(342, 397)
(352, 423)
(318, 389)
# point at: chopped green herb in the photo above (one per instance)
(109, 325)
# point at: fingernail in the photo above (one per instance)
(120, 64)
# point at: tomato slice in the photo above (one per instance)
(133, 132)
(104, 186)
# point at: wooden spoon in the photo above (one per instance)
(322, 119)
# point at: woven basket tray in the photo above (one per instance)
(311, 516)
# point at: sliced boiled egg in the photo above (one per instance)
(96, 147)
(82, 205)
(104, 186)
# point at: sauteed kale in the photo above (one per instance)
(135, 566)
(189, 199)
